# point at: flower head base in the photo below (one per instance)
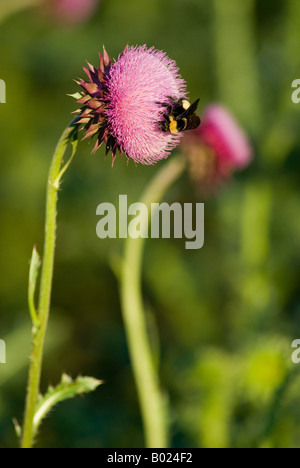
(94, 100)
(124, 103)
(217, 148)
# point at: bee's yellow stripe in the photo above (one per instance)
(173, 125)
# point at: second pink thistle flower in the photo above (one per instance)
(126, 104)
(221, 132)
(217, 148)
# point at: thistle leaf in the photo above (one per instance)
(67, 389)
(74, 143)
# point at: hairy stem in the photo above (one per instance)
(40, 327)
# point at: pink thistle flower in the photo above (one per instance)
(221, 132)
(72, 11)
(217, 148)
(126, 104)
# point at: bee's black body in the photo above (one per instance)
(180, 116)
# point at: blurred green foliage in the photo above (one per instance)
(225, 315)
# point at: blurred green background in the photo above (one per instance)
(226, 315)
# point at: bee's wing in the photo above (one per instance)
(190, 111)
(193, 122)
(193, 107)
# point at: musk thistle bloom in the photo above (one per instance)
(217, 148)
(124, 103)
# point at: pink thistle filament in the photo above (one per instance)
(140, 80)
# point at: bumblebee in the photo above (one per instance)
(180, 115)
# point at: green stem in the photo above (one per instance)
(255, 284)
(282, 136)
(236, 59)
(151, 400)
(40, 328)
